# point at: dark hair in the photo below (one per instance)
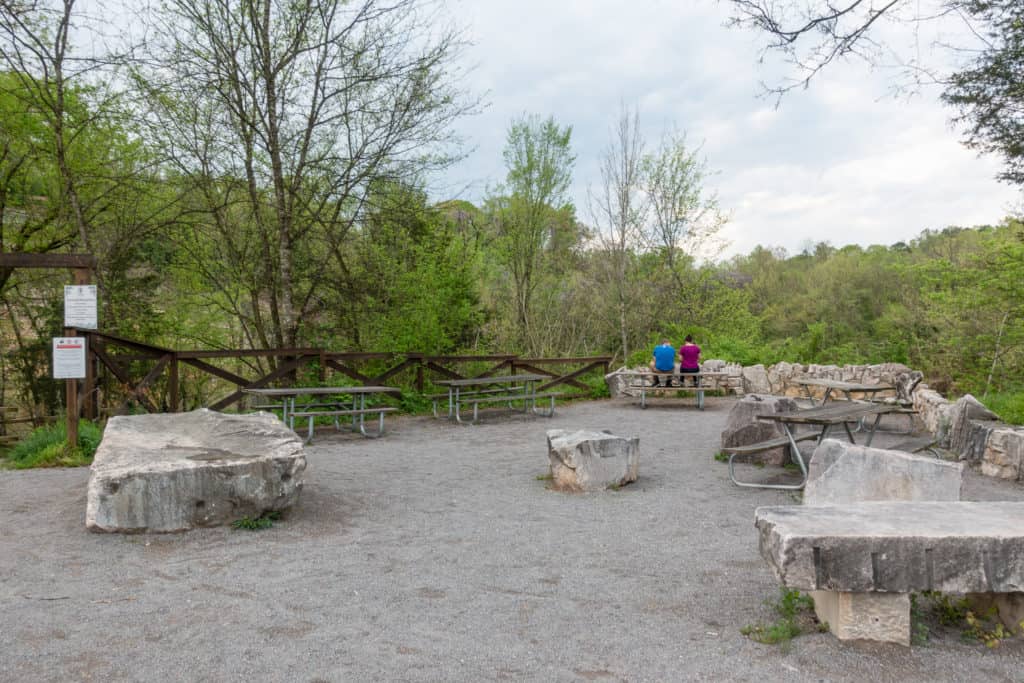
(689, 338)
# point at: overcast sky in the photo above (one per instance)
(842, 162)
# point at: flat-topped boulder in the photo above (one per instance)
(954, 547)
(591, 461)
(840, 472)
(173, 472)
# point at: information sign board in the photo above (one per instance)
(69, 357)
(80, 306)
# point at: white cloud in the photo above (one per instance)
(839, 162)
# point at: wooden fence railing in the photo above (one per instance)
(121, 372)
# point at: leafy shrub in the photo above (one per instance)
(47, 447)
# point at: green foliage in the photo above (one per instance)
(47, 447)
(596, 387)
(987, 93)
(415, 404)
(264, 521)
(795, 616)
(722, 457)
(1009, 406)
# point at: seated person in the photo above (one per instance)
(663, 361)
(689, 359)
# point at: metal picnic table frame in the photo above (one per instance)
(826, 417)
(513, 388)
(354, 406)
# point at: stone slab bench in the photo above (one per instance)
(863, 560)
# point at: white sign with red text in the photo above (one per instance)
(69, 357)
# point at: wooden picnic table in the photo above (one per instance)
(847, 388)
(508, 389)
(832, 414)
(646, 378)
(333, 402)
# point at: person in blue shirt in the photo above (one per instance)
(663, 361)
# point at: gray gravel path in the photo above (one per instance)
(435, 554)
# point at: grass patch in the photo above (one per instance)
(1009, 406)
(795, 612)
(722, 457)
(48, 447)
(264, 521)
(544, 477)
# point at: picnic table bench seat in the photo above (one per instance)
(761, 446)
(311, 416)
(477, 400)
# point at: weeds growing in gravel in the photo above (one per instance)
(264, 521)
(795, 616)
(932, 609)
(722, 457)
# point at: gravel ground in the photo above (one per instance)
(435, 554)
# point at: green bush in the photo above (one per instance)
(47, 447)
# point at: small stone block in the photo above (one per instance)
(591, 461)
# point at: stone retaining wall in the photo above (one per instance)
(965, 427)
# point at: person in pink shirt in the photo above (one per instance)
(689, 359)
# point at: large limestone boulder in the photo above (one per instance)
(743, 428)
(172, 472)
(840, 473)
(755, 380)
(591, 461)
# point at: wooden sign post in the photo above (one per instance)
(82, 266)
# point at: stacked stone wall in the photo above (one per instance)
(965, 426)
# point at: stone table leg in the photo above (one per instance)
(881, 617)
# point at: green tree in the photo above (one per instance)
(530, 209)
(277, 119)
(988, 94)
